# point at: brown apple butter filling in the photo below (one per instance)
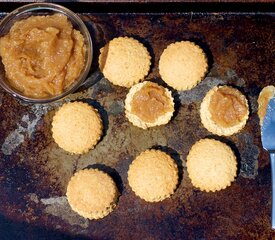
(263, 101)
(151, 102)
(42, 55)
(227, 107)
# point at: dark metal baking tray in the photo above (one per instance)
(35, 172)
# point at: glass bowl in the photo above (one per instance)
(36, 9)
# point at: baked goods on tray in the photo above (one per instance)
(148, 104)
(224, 110)
(211, 165)
(92, 193)
(124, 61)
(153, 175)
(183, 65)
(77, 127)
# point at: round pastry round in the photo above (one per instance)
(153, 176)
(77, 127)
(224, 111)
(124, 61)
(211, 165)
(183, 65)
(148, 104)
(92, 193)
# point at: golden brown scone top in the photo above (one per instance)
(92, 193)
(153, 175)
(211, 165)
(183, 65)
(124, 61)
(77, 127)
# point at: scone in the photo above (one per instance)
(76, 127)
(153, 176)
(183, 65)
(266, 94)
(148, 104)
(92, 193)
(211, 165)
(224, 111)
(124, 61)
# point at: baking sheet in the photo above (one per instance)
(35, 171)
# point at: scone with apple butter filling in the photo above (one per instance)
(148, 104)
(224, 110)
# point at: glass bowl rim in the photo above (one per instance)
(75, 19)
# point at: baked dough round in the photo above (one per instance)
(76, 127)
(153, 176)
(215, 127)
(183, 65)
(266, 94)
(92, 193)
(124, 61)
(149, 104)
(211, 165)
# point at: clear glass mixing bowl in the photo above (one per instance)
(46, 9)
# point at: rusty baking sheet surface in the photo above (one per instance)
(35, 171)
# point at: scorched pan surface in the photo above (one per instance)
(35, 171)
